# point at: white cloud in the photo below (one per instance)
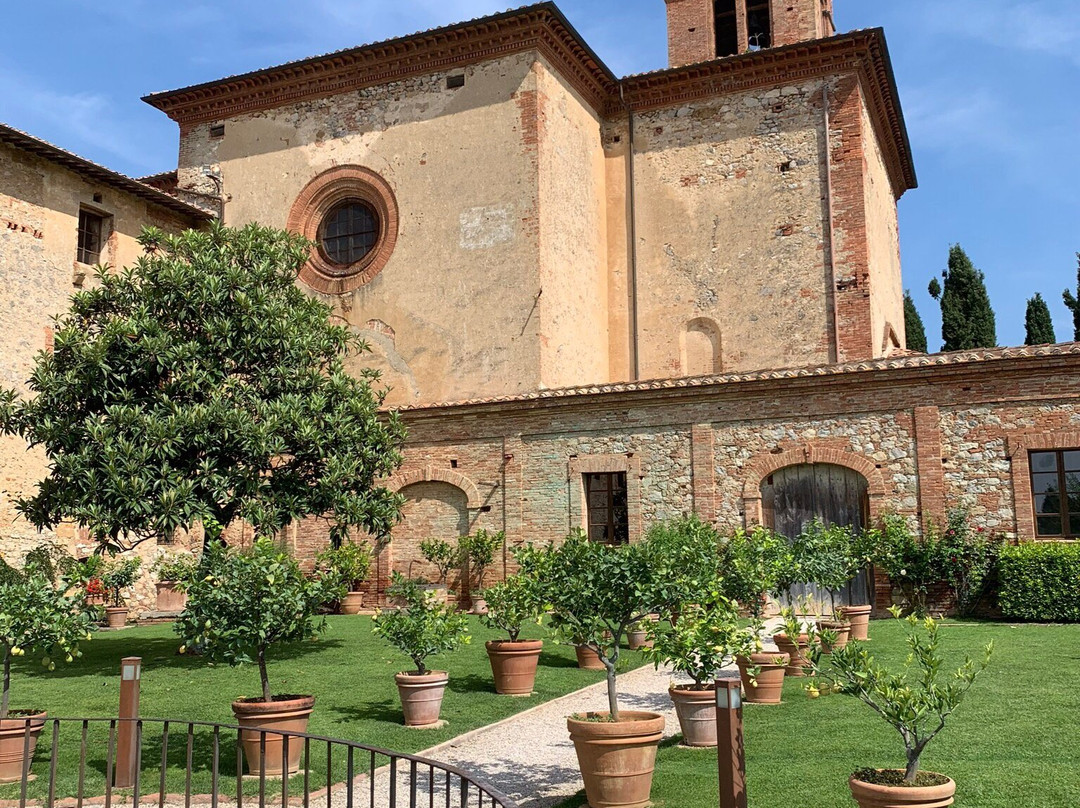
(1050, 27)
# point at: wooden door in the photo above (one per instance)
(794, 496)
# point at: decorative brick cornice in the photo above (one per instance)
(541, 27)
(863, 52)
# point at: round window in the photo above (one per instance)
(349, 231)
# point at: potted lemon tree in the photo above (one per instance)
(479, 550)
(420, 628)
(351, 563)
(119, 576)
(40, 618)
(916, 702)
(511, 604)
(445, 557)
(250, 601)
(174, 572)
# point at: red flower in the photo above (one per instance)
(95, 587)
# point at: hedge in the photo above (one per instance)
(1040, 581)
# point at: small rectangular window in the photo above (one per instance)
(605, 498)
(758, 24)
(1055, 493)
(91, 229)
(453, 82)
(727, 29)
(217, 130)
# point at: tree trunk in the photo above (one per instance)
(612, 695)
(266, 695)
(912, 765)
(4, 700)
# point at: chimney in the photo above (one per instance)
(691, 33)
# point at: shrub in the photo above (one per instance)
(1040, 581)
(913, 563)
(249, 601)
(351, 562)
(829, 556)
(703, 640)
(479, 549)
(444, 555)
(754, 564)
(422, 627)
(692, 548)
(969, 556)
(511, 604)
(180, 568)
(120, 574)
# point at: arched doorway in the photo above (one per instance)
(793, 496)
(432, 510)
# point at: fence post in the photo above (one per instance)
(729, 744)
(126, 753)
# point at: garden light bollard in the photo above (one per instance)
(126, 751)
(729, 744)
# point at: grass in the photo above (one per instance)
(350, 672)
(1012, 743)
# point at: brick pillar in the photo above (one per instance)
(512, 492)
(691, 32)
(800, 20)
(703, 467)
(928, 465)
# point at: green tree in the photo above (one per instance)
(203, 385)
(967, 320)
(1073, 303)
(1037, 322)
(914, 329)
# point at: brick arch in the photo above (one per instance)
(763, 465)
(429, 474)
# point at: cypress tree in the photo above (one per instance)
(1074, 304)
(914, 329)
(967, 320)
(1039, 326)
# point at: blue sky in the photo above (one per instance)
(990, 88)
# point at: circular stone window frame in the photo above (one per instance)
(321, 195)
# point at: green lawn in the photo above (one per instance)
(1014, 742)
(349, 671)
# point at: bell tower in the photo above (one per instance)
(703, 30)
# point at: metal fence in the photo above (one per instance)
(184, 763)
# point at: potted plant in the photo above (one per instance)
(445, 557)
(511, 604)
(756, 563)
(174, 572)
(916, 702)
(250, 601)
(479, 550)
(119, 575)
(85, 574)
(637, 635)
(40, 618)
(594, 592)
(350, 562)
(794, 638)
(701, 641)
(420, 628)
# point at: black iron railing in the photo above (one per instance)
(83, 762)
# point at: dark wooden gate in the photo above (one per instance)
(794, 496)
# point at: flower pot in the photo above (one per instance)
(13, 732)
(617, 758)
(873, 795)
(169, 598)
(283, 714)
(588, 659)
(513, 665)
(768, 686)
(638, 640)
(352, 603)
(843, 634)
(421, 696)
(797, 650)
(696, 710)
(479, 606)
(116, 616)
(859, 618)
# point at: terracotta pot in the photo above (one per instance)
(843, 634)
(617, 759)
(871, 795)
(479, 606)
(513, 665)
(588, 659)
(696, 710)
(768, 686)
(116, 616)
(13, 731)
(169, 598)
(352, 603)
(284, 714)
(95, 600)
(638, 640)
(796, 650)
(859, 618)
(421, 696)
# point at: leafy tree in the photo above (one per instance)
(967, 320)
(423, 627)
(479, 549)
(444, 555)
(203, 385)
(120, 574)
(511, 604)
(1038, 325)
(1072, 302)
(249, 601)
(703, 639)
(351, 562)
(914, 329)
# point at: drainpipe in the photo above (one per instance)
(830, 255)
(635, 369)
